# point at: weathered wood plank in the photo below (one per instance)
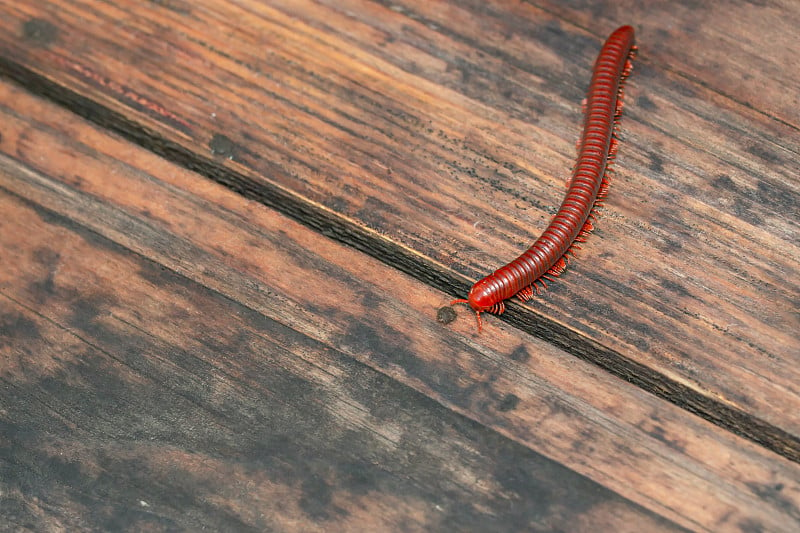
(745, 50)
(449, 131)
(249, 310)
(134, 399)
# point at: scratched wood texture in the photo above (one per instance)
(176, 356)
(438, 135)
(436, 138)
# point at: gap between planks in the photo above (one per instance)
(345, 231)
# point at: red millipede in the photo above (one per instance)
(548, 256)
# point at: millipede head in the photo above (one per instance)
(477, 313)
(482, 299)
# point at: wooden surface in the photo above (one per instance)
(230, 229)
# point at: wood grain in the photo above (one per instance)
(167, 332)
(156, 403)
(744, 51)
(438, 138)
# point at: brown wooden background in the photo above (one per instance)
(229, 230)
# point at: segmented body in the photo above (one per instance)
(548, 256)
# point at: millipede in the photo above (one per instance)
(548, 257)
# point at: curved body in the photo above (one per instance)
(547, 257)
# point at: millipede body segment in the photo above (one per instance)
(548, 256)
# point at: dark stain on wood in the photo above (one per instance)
(656, 163)
(675, 288)
(49, 259)
(508, 403)
(222, 146)
(520, 354)
(178, 6)
(39, 31)
(446, 314)
(657, 432)
(644, 103)
(17, 326)
(774, 493)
